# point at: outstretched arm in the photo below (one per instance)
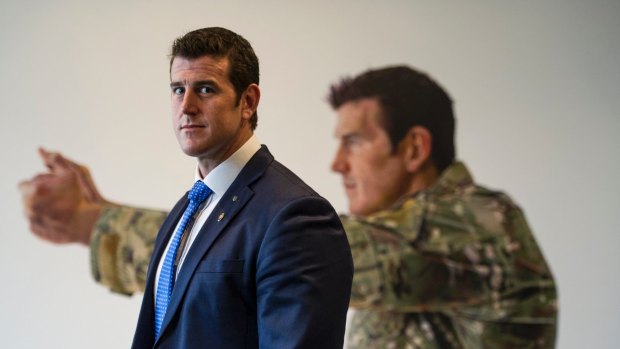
(63, 205)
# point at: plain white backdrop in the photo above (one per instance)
(536, 91)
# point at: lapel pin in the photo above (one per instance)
(220, 217)
(234, 198)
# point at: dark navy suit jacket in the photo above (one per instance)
(270, 268)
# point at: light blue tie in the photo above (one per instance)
(196, 196)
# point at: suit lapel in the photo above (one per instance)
(235, 198)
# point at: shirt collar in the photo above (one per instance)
(455, 176)
(222, 176)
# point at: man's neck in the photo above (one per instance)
(423, 179)
(206, 164)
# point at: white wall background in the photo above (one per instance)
(536, 90)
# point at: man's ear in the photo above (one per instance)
(249, 100)
(418, 146)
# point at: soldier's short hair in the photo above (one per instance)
(408, 98)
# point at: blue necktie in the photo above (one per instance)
(196, 196)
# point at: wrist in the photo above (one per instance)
(85, 221)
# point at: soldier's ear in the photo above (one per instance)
(417, 148)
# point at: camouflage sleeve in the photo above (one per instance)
(121, 247)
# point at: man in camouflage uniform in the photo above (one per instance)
(440, 262)
(454, 266)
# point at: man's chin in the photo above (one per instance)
(363, 210)
(192, 151)
(357, 211)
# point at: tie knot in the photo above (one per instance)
(199, 192)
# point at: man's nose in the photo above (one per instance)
(189, 105)
(339, 164)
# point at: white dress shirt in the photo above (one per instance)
(219, 180)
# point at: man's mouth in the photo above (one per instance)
(191, 126)
(348, 184)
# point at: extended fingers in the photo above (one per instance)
(53, 160)
(56, 162)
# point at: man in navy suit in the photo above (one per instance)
(265, 262)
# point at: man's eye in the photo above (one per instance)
(178, 90)
(205, 89)
(350, 141)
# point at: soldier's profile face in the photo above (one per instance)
(373, 176)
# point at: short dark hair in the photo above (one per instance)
(408, 98)
(222, 43)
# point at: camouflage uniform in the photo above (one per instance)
(454, 266)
